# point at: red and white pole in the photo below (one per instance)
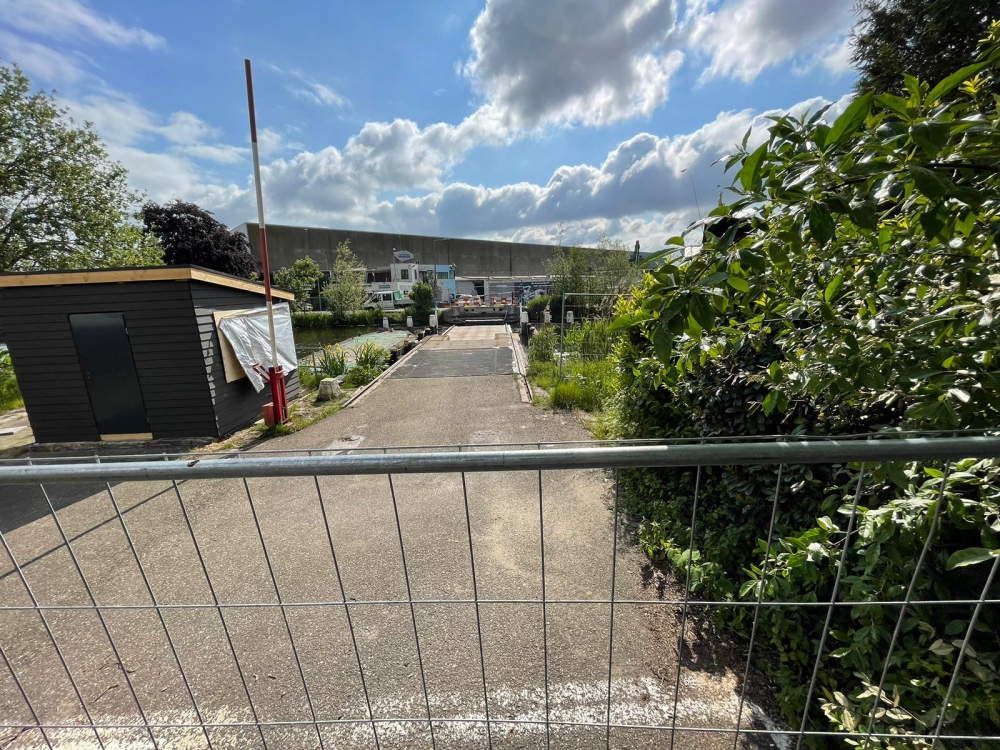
(276, 376)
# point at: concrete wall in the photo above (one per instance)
(479, 258)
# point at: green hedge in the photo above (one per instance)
(357, 318)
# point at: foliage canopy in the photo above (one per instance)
(300, 279)
(63, 202)
(191, 235)
(927, 38)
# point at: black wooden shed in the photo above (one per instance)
(131, 353)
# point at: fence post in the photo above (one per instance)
(562, 333)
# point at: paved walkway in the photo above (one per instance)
(504, 519)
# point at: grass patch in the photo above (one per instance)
(299, 419)
(585, 384)
(10, 393)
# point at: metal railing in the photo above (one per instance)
(186, 594)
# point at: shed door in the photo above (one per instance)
(113, 384)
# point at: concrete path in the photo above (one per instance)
(504, 522)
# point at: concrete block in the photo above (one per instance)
(329, 389)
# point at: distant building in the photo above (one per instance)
(484, 267)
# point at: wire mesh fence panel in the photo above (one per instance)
(450, 599)
(585, 328)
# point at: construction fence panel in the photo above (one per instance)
(446, 597)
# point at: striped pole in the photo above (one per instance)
(276, 377)
(265, 266)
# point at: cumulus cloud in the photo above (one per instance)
(270, 142)
(744, 37)
(646, 188)
(573, 61)
(652, 230)
(71, 19)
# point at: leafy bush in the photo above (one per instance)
(422, 296)
(536, 305)
(10, 393)
(361, 375)
(543, 345)
(332, 361)
(846, 289)
(370, 354)
(881, 560)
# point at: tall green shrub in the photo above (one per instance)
(848, 287)
(422, 296)
(345, 293)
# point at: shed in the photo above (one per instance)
(128, 354)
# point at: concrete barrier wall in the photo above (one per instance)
(287, 244)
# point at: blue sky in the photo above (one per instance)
(508, 118)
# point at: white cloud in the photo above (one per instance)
(71, 19)
(161, 156)
(184, 127)
(270, 142)
(317, 93)
(219, 153)
(573, 61)
(837, 57)
(651, 231)
(744, 37)
(40, 61)
(644, 189)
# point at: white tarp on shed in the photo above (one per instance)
(248, 333)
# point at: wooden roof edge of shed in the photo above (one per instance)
(126, 275)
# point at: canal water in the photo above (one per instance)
(309, 340)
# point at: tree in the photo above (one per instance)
(928, 39)
(190, 235)
(604, 270)
(63, 202)
(346, 292)
(300, 279)
(422, 296)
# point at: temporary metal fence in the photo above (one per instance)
(53, 695)
(583, 327)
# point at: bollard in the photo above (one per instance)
(433, 323)
(409, 322)
(569, 317)
(385, 324)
